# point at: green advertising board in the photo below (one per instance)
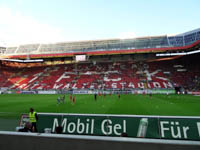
(120, 125)
(180, 128)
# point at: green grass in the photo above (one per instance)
(12, 106)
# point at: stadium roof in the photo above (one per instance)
(139, 44)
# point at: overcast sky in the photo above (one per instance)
(48, 21)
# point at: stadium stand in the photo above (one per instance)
(110, 64)
(107, 75)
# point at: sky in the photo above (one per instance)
(50, 21)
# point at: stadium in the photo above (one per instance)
(146, 76)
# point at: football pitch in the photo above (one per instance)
(12, 106)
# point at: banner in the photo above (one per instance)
(80, 91)
(180, 128)
(26, 92)
(47, 92)
(122, 125)
(194, 93)
(100, 125)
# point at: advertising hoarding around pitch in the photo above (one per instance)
(157, 127)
